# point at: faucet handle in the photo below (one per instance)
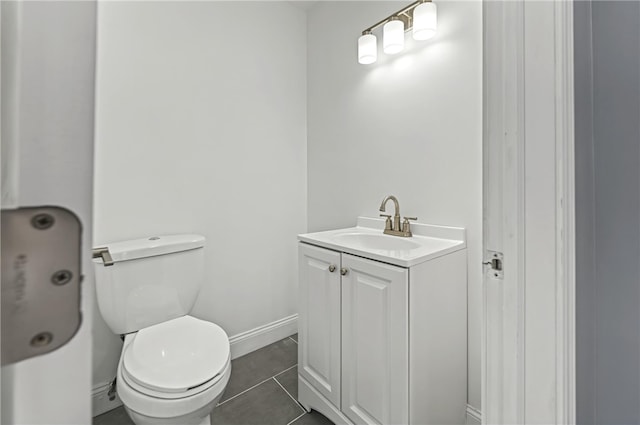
(406, 226)
(387, 224)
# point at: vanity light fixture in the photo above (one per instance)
(425, 21)
(367, 48)
(393, 36)
(420, 17)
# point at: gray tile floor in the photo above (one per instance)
(262, 391)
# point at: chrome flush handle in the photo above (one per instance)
(103, 252)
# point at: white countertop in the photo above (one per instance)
(367, 240)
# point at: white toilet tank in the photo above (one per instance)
(151, 281)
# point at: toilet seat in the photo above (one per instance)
(174, 410)
(177, 358)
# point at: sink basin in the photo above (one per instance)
(368, 240)
(378, 242)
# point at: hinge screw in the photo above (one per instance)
(42, 339)
(42, 221)
(61, 277)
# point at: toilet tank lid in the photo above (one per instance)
(153, 246)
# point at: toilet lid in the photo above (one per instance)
(177, 355)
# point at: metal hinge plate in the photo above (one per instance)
(40, 281)
(495, 262)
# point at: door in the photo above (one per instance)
(375, 342)
(48, 55)
(319, 320)
(528, 341)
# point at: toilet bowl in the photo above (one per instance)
(173, 368)
(174, 372)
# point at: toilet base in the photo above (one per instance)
(194, 418)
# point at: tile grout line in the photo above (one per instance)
(262, 382)
(303, 413)
(258, 384)
(248, 389)
(294, 400)
(286, 370)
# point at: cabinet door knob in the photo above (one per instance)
(344, 271)
(332, 268)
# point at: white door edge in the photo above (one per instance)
(47, 153)
(503, 212)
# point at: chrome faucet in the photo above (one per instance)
(396, 216)
(393, 228)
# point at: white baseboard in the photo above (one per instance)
(251, 340)
(100, 402)
(241, 344)
(474, 416)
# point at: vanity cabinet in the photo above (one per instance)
(319, 344)
(381, 343)
(375, 342)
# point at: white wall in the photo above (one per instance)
(201, 127)
(409, 125)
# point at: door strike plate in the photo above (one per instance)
(495, 262)
(41, 254)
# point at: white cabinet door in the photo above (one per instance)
(319, 320)
(375, 342)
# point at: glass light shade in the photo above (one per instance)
(425, 21)
(367, 49)
(393, 37)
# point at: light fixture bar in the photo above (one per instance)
(405, 15)
(420, 17)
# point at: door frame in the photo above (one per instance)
(528, 79)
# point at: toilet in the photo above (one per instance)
(173, 368)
